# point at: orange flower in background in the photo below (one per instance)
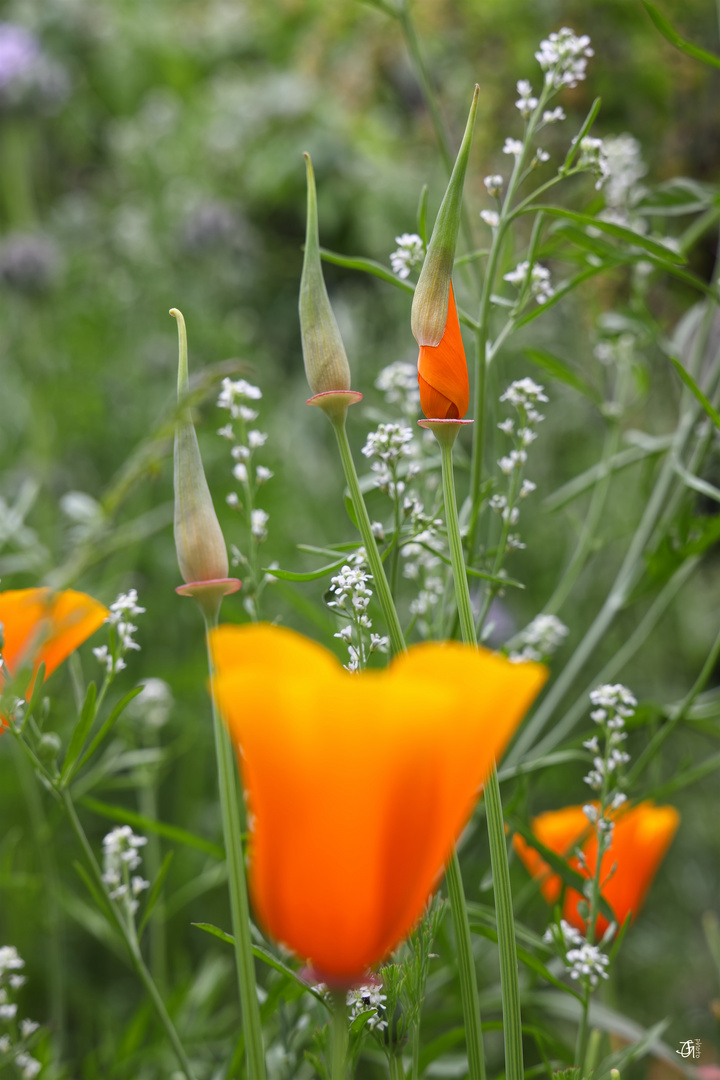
(442, 372)
(641, 837)
(42, 626)
(358, 785)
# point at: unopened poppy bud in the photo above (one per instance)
(326, 364)
(199, 541)
(430, 301)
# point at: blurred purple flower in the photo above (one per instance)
(29, 262)
(28, 77)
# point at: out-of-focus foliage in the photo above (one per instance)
(164, 168)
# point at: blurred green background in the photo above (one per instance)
(161, 166)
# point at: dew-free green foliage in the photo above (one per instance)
(165, 169)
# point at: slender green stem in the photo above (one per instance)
(415, 1047)
(339, 1035)
(397, 641)
(509, 980)
(240, 911)
(130, 939)
(466, 970)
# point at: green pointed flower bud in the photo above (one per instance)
(199, 541)
(326, 364)
(430, 302)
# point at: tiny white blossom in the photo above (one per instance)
(513, 146)
(527, 488)
(240, 472)
(552, 116)
(507, 426)
(258, 521)
(491, 218)
(256, 439)
(494, 184)
(410, 253)
(227, 432)
(541, 156)
(233, 499)
(28, 1027)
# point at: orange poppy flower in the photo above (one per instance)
(358, 785)
(40, 626)
(443, 374)
(641, 837)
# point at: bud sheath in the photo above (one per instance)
(199, 541)
(430, 302)
(326, 364)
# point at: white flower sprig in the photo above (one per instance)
(351, 599)
(122, 631)
(14, 1040)
(121, 857)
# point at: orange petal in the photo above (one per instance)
(358, 784)
(442, 372)
(641, 838)
(559, 830)
(40, 626)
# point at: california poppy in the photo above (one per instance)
(43, 627)
(641, 836)
(358, 785)
(442, 372)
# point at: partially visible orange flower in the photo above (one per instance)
(42, 626)
(641, 836)
(443, 374)
(358, 785)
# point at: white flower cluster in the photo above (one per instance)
(582, 960)
(563, 56)
(235, 396)
(11, 964)
(626, 167)
(535, 279)
(363, 998)
(540, 639)
(526, 103)
(494, 185)
(388, 445)
(398, 382)
(120, 857)
(124, 609)
(409, 254)
(523, 395)
(420, 561)
(513, 147)
(614, 704)
(351, 600)
(153, 704)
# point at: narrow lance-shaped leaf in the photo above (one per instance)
(430, 302)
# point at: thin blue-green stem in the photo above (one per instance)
(129, 936)
(382, 589)
(509, 981)
(466, 970)
(239, 908)
(339, 1035)
(458, 907)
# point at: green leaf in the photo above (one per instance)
(586, 125)
(622, 1058)
(684, 779)
(360, 1021)
(559, 757)
(310, 575)
(696, 391)
(80, 734)
(154, 894)
(694, 482)
(562, 372)
(109, 723)
(101, 902)
(266, 957)
(620, 232)
(170, 832)
(671, 35)
(367, 266)
(422, 215)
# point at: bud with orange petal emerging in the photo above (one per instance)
(443, 374)
(431, 298)
(343, 900)
(641, 836)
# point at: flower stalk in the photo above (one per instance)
(512, 1024)
(239, 906)
(339, 1035)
